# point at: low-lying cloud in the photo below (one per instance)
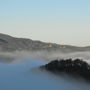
(45, 55)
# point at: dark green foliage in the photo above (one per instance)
(74, 67)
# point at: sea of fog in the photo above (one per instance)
(24, 73)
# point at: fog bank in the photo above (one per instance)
(45, 55)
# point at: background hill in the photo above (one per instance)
(9, 43)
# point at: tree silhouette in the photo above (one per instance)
(76, 67)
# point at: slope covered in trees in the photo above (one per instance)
(73, 67)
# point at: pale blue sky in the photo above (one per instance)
(60, 21)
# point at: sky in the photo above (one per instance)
(57, 21)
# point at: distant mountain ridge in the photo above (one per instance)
(9, 43)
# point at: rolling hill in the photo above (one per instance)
(9, 43)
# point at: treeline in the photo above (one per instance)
(69, 66)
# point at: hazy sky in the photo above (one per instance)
(60, 21)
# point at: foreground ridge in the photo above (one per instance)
(73, 67)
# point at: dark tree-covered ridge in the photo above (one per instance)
(69, 66)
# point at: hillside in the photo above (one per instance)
(9, 43)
